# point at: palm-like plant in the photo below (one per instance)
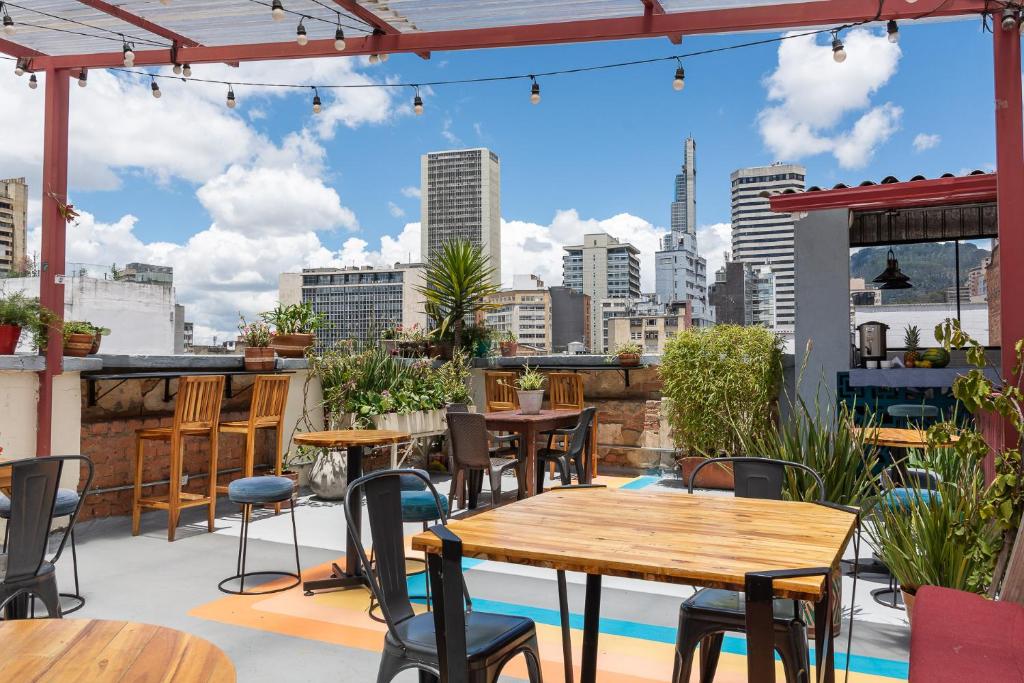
(457, 280)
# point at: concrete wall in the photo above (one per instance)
(822, 267)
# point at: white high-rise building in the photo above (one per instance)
(761, 237)
(602, 268)
(461, 199)
(680, 272)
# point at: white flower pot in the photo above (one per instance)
(530, 401)
(327, 476)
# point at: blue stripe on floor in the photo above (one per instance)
(639, 483)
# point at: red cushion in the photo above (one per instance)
(960, 637)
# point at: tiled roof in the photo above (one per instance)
(887, 180)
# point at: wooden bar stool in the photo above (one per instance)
(269, 396)
(567, 394)
(196, 413)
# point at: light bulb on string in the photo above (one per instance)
(9, 27)
(19, 67)
(83, 78)
(231, 102)
(300, 33)
(176, 69)
(417, 102)
(33, 82)
(374, 58)
(383, 56)
(679, 82)
(534, 91)
(893, 31)
(339, 39)
(129, 54)
(1010, 18)
(277, 10)
(317, 105)
(838, 51)
(186, 71)
(154, 88)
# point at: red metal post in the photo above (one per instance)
(51, 287)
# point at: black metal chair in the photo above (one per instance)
(472, 458)
(711, 612)
(484, 641)
(24, 570)
(579, 438)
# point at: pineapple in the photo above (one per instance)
(911, 340)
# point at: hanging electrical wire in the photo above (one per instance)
(118, 34)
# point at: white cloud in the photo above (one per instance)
(713, 241)
(812, 95)
(395, 210)
(926, 141)
(448, 134)
(411, 192)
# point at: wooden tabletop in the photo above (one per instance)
(60, 650)
(697, 540)
(341, 438)
(500, 418)
(896, 437)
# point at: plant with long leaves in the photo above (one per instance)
(457, 280)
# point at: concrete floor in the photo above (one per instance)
(147, 579)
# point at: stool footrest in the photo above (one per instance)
(248, 575)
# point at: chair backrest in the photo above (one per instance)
(500, 390)
(197, 406)
(446, 579)
(566, 390)
(34, 484)
(468, 434)
(269, 396)
(581, 433)
(386, 576)
(760, 477)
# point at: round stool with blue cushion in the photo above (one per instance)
(247, 492)
(65, 504)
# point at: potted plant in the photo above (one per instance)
(259, 356)
(295, 328)
(389, 339)
(456, 283)
(508, 343)
(17, 311)
(627, 354)
(79, 336)
(100, 333)
(530, 389)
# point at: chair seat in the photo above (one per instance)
(903, 499)
(260, 490)
(550, 454)
(410, 482)
(420, 506)
(67, 501)
(733, 603)
(959, 636)
(502, 464)
(913, 410)
(486, 633)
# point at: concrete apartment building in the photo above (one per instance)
(744, 294)
(652, 330)
(148, 273)
(524, 310)
(460, 198)
(13, 224)
(602, 268)
(680, 271)
(358, 301)
(763, 238)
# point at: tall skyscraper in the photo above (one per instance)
(13, 220)
(461, 199)
(681, 272)
(602, 268)
(764, 238)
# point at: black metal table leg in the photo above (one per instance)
(824, 637)
(591, 629)
(352, 576)
(563, 610)
(760, 629)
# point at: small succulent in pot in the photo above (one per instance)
(627, 353)
(508, 343)
(259, 356)
(295, 327)
(530, 390)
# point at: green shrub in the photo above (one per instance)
(721, 381)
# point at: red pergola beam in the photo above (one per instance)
(934, 192)
(136, 20)
(653, 7)
(16, 50)
(754, 18)
(360, 12)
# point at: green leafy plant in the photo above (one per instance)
(294, 318)
(508, 337)
(453, 379)
(71, 327)
(256, 335)
(457, 280)
(18, 309)
(45, 319)
(530, 379)
(721, 381)
(629, 348)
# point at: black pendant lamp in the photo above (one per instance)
(891, 277)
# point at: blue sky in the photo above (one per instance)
(232, 198)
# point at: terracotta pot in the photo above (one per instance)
(530, 401)
(717, 476)
(908, 602)
(629, 360)
(96, 344)
(509, 349)
(9, 335)
(78, 345)
(291, 345)
(259, 359)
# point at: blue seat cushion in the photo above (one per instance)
(410, 482)
(420, 506)
(260, 490)
(67, 501)
(903, 499)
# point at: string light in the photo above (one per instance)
(129, 54)
(277, 10)
(231, 98)
(83, 78)
(177, 69)
(838, 51)
(417, 102)
(9, 27)
(534, 91)
(186, 71)
(339, 36)
(19, 67)
(893, 30)
(383, 56)
(154, 88)
(33, 82)
(317, 107)
(300, 33)
(1009, 21)
(679, 82)
(374, 58)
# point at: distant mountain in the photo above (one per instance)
(930, 267)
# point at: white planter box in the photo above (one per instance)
(421, 422)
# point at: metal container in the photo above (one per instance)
(872, 340)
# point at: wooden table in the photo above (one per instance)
(896, 437)
(698, 540)
(529, 427)
(59, 650)
(355, 442)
